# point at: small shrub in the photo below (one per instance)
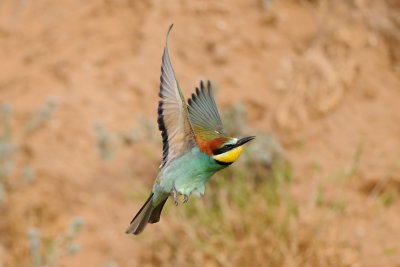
(45, 252)
(12, 143)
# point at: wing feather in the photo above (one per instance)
(173, 120)
(203, 113)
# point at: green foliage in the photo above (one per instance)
(393, 250)
(40, 117)
(267, 4)
(7, 149)
(44, 252)
(47, 252)
(108, 143)
(356, 161)
(103, 142)
(111, 263)
(388, 196)
(345, 173)
(243, 219)
(12, 143)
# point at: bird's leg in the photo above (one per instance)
(185, 198)
(175, 196)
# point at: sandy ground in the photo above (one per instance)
(323, 76)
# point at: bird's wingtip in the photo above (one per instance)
(168, 31)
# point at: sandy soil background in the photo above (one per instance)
(322, 76)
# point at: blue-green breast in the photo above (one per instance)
(188, 173)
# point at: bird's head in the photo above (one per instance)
(208, 129)
(229, 150)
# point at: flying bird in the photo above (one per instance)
(195, 145)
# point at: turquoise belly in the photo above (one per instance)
(188, 173)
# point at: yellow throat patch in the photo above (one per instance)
(229, 156)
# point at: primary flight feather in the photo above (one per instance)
(195, 145)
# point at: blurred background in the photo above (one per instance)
(316, 80)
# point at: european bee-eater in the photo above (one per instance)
(195, 145)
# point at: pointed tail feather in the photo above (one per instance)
(155, 214)
(141, 219)
(147, 214)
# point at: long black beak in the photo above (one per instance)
(244, 140)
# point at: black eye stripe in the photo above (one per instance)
(223, 149)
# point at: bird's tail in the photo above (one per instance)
(147, 214)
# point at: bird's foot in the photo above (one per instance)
(185, 199)
(175, 196)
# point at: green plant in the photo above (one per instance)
(350, 171)
(107, 142)
(47, 252)
(242, 220)
(266, 4)
(388, 195)
(12, 143)
(103, 142)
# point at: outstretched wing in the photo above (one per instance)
(203, 114)
(173, 120)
